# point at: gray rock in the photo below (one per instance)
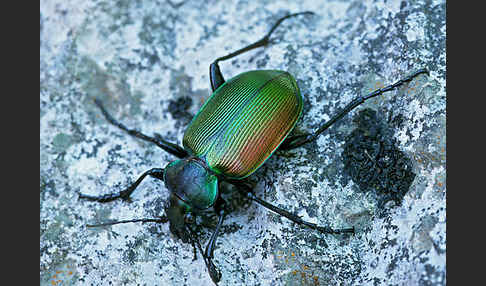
(141, 57)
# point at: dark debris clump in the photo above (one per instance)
(179, 108)
(373, 161)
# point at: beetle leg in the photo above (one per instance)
(172, 148)
(163, 219)
(194, 249)
(298, 140)
(212, 270)
(215, 75)
(157, 173)
(219, 208)
(242, 187)
(212, 242)
(209, 252)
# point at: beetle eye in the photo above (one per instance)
(189, 218)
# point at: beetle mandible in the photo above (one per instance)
(246, 119)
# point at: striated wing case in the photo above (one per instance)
(244, 122)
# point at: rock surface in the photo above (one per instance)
(148, 62)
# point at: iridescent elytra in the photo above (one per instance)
(245, 120)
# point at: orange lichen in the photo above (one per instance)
(316, 280)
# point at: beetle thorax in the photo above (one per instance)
(192, 182)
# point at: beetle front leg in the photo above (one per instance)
(212, 270)
(209, 252)
(157, 173)
(298, 140)
(162, 219)
(219, 207)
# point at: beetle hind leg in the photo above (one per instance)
(215, 75)
(298, 140)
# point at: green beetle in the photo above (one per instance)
(246, 119)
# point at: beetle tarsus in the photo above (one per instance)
(194, 249)
(213, 272)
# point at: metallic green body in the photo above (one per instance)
(244, 122)
(235, 132)
(191, 182)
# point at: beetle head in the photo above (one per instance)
(193, 188)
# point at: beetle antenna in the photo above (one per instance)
(163, 219)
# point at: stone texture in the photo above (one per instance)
(143, 58)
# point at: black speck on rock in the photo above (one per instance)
(373, 161)
(179, 108)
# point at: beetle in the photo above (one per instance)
(245, 120)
